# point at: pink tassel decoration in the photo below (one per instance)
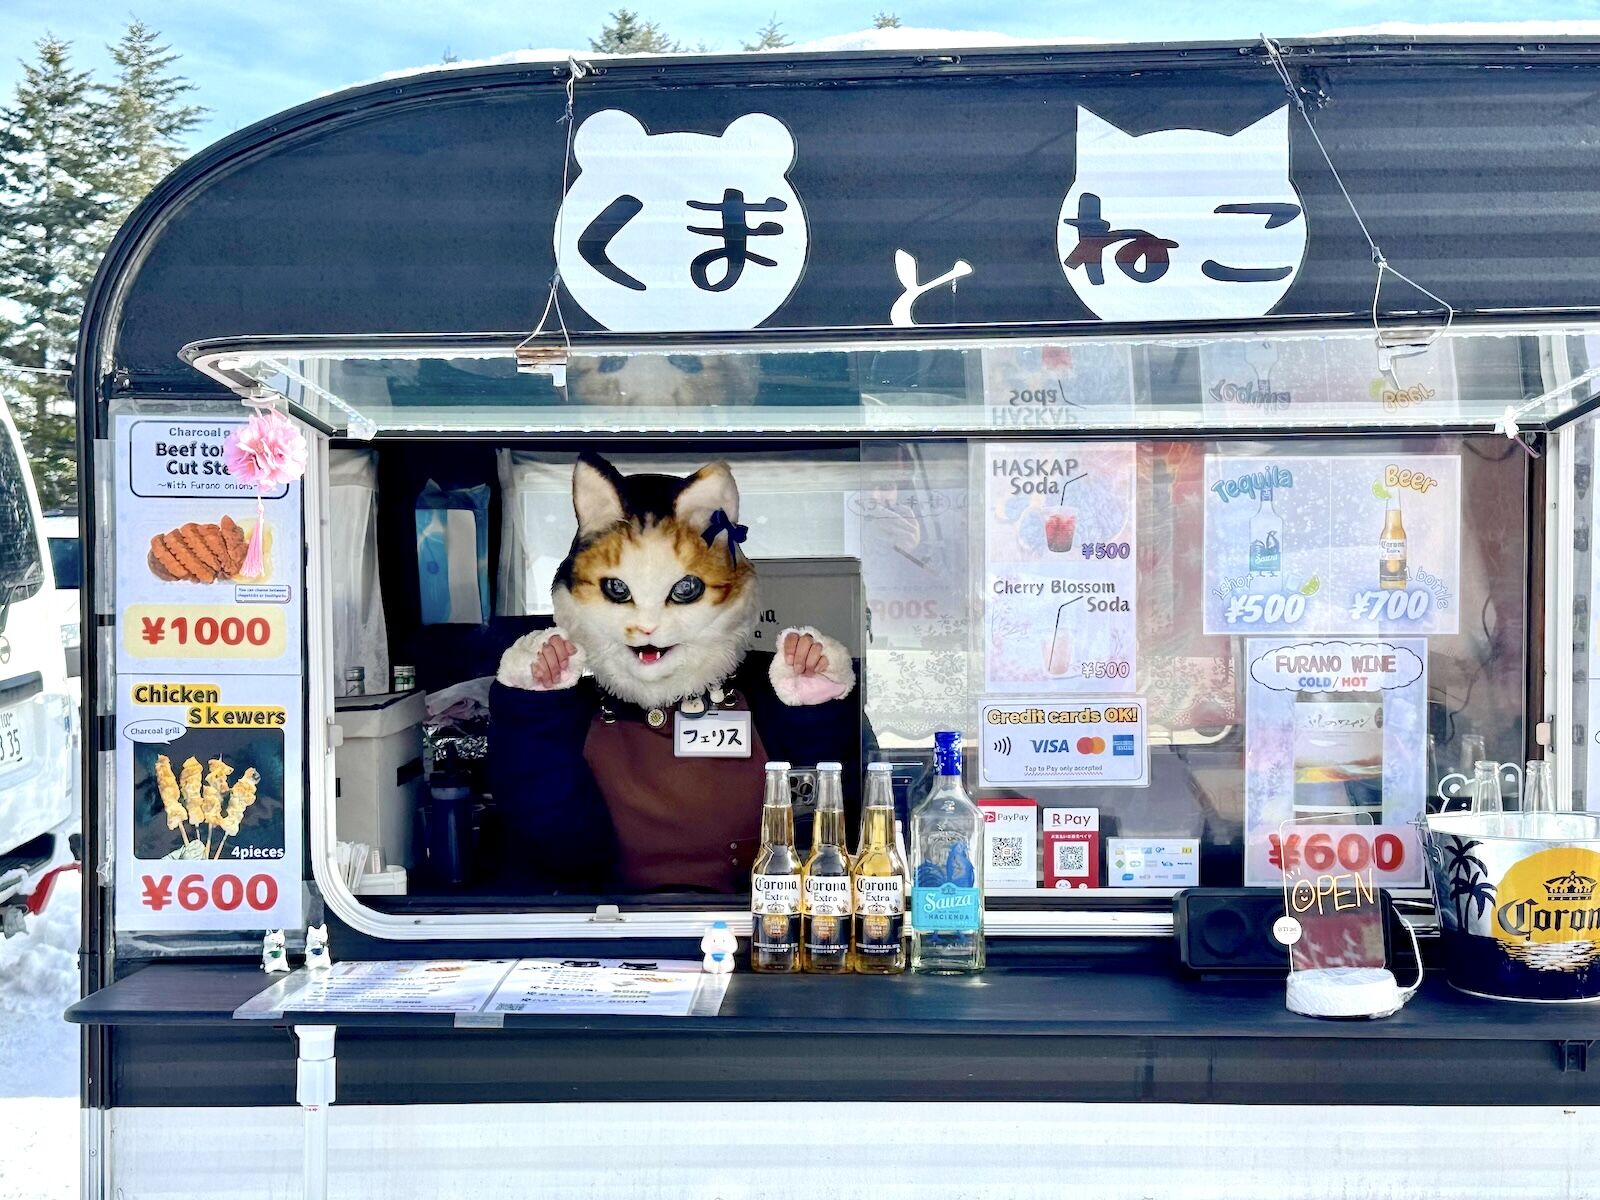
(267, 453)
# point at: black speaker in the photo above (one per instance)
(1228, 931)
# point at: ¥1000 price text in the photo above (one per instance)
(196, 893)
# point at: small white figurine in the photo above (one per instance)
(718, 946)
(273, 960)
(317, 948)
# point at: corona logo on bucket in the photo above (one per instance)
(1551, 897)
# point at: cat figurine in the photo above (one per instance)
(1181, 224)
(317, 958)
(655, 604)
(273, 959)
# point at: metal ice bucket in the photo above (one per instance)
(1519, 902)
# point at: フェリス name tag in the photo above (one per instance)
(713, 734)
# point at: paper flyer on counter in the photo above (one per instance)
(1060, 581)
(497, 987)
(1336, 731)
(210, 706)
(1367, 545)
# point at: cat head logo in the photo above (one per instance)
(1181, 224)
(681, 231)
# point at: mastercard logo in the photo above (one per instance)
(1091, 745)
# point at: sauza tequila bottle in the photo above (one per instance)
(775, 881)
(825, 882)
(880, 881)
(947, 871)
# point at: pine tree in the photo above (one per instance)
(627, 34)
(146, 117)
(53, 215)
(886, 20)
(769, 36)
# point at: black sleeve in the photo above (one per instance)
(558, 831)
(811, 733)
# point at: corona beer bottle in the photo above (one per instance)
(775, 881)
(880, 888)
(1392, 567)
(825, 881)
(947, 871)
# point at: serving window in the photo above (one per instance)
(1166, 634)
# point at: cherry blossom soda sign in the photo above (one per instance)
(1060, 582)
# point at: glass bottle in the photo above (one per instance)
(1392, 571)
(947, 871)
(825, 881)
(1538, 792)
(1266, 546)
(880, 889)
(775, 881)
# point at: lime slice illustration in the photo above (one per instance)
(1381, 492)
(1311, 586)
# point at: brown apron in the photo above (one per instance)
(680, 822)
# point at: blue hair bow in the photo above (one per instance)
(720, 524)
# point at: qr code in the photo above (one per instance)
(1007, 852)
(1072, 858)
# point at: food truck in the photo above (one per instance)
(489, 472)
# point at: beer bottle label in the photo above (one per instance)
(878, 936)
(775, 895)
(828, 895)
(1392, 548)
(880, 895)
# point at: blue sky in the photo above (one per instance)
(251, 60)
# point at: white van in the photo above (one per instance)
(38, 715)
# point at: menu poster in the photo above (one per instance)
(210, 714)
(1365, 544)
(183, 526)
(209, 779)
(1057, 385)
(1336, 733)
(1060, 567)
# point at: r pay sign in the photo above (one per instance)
(1048, 742)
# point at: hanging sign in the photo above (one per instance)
(1336, 732)
(1364, 544)
(1060, 583)
(210, 710)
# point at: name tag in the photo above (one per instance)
(715, 734)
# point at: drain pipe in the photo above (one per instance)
(314, 1088)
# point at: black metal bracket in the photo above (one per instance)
(1574, 1055)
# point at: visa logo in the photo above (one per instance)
(1052, 746)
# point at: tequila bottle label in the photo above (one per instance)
(947, 908)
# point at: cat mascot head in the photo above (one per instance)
(655, 590)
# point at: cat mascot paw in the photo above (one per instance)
(546, 661)
(810, 668)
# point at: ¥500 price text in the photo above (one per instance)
(1276, 609)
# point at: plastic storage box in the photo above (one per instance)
(378, 765)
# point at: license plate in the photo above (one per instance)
(13, 749)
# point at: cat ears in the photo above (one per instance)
(597, 495)
(1270, 134)
(708, 489)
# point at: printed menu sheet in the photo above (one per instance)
(210, 715)
(1336, 735)
(490, 987)
(1060, 583)
(1366, 544)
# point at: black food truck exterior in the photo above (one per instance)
(1198, 430)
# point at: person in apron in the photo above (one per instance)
(626, 744)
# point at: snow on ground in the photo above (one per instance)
(39, 1054)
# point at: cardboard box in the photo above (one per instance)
(378, 769)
